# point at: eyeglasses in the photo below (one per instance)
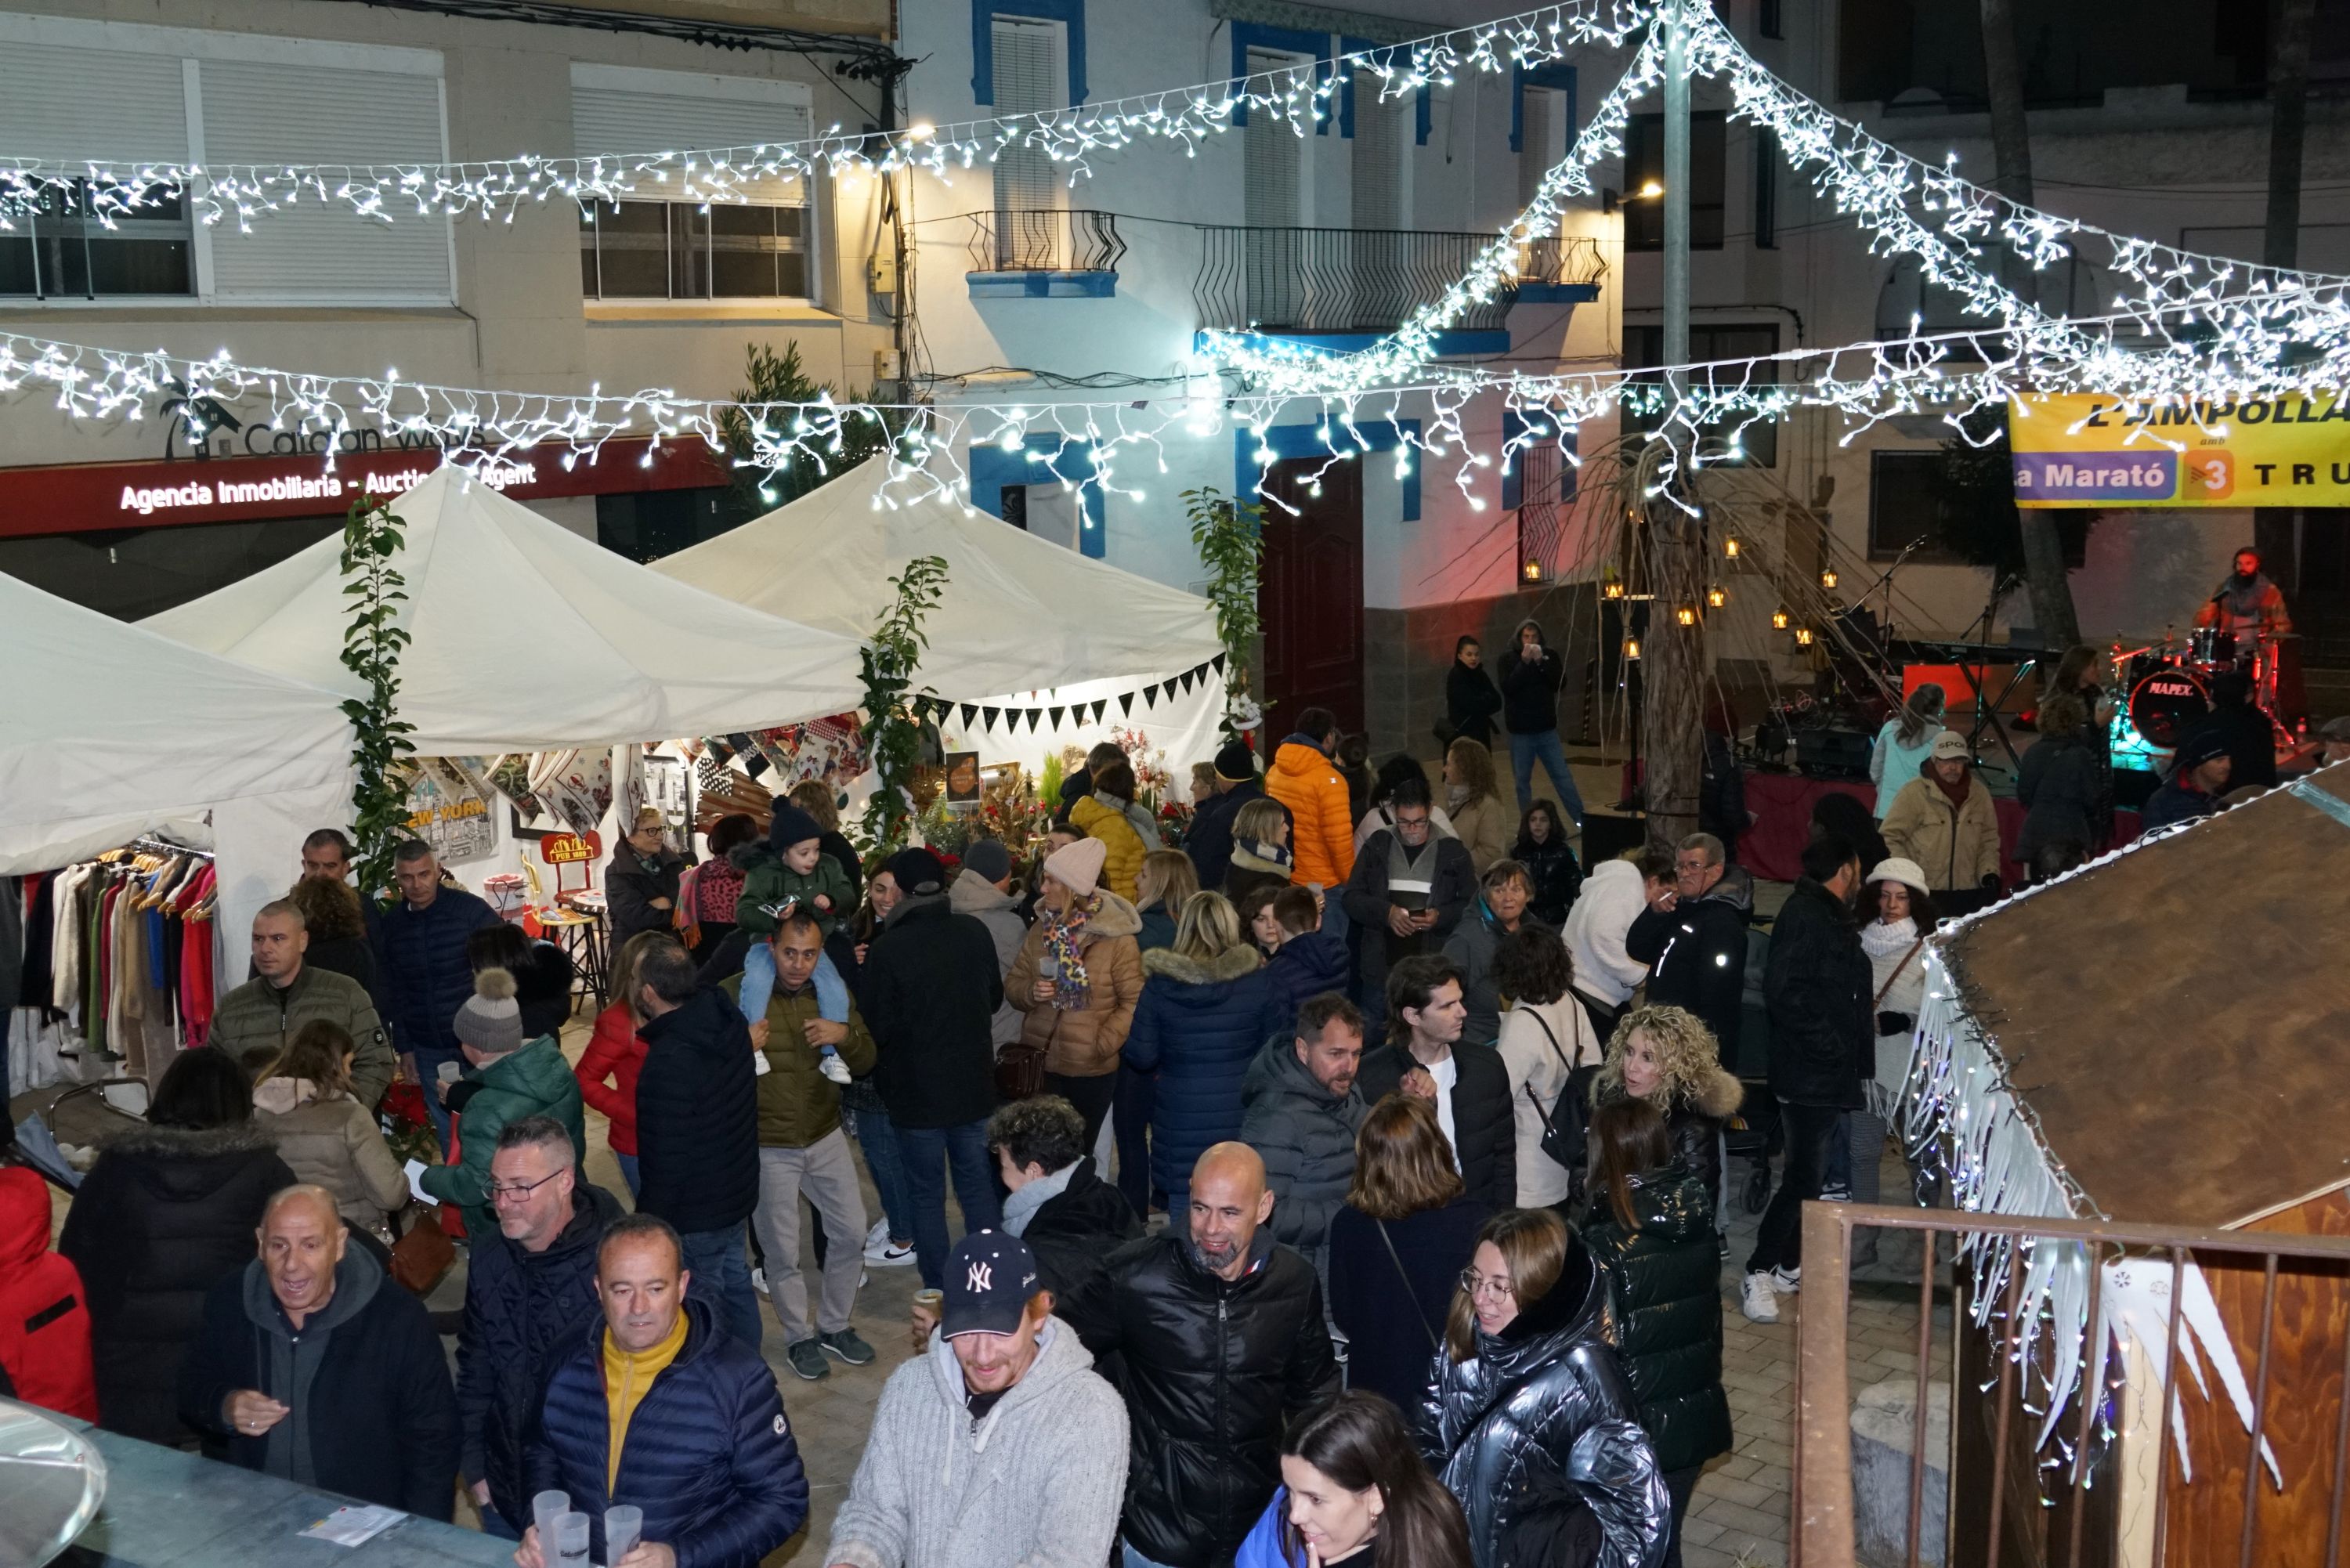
(1476, 1284)
(514, 1192)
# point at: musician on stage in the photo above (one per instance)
(2247, 604)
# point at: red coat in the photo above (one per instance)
(616, 1052)
(44, 1314)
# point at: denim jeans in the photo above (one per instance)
(627, 1164)
(722, 1277)
(878, 1139)
(963, 1150)
(427, 1072)
(1138, 1093)
(1130, 1558)
(1524, 749)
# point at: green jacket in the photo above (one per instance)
(535, 1080)
(799, 1105)
(258, 1013)
(768, 885)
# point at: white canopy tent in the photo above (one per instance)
(109, 730)
(1020, 614)
(526, 638)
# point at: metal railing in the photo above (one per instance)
(1359, 280)
(2312, 1446)
(1045, 239)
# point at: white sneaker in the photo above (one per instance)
(833, 1067)
(1758, 1301)
(889, 1255)
(759, 1280)
(1784, 1280)
(878, 1237)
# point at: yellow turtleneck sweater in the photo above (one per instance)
(628, 1377)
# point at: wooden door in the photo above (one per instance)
(1310, 593)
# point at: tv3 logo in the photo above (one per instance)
(2207, 476)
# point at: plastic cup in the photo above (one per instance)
(571, 1540)
(623, 1527)
(545, 1508)
(450, 1071)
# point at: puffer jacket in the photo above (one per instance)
(1697, 955)
(698, 1118)
(425, 970)
(2060, 784)
(1484, 829)
(1817, 986)
(1083, 1043)
(1693, 1119)
(334, 1144)
(1197, 1028)
(164, 1215)
(1956, 845)
(535, 1080)
(1103, 817)
(1306, 1135)
(1484, 1125)
(1541, 1420)
(1306, 965)
(608, 1072)
(1321, 816)
(44, 1311)
(632, 881)
(1557, 874)
(1074, 1231)
(1471, 947)
(1454, 890)
(709, 1454)
(799, 1105)
(1612, 897)
(1213, 1371)
(1664, 1291)
(1209, 842)
(523, 1310)
(973, 895)
(258, 1014)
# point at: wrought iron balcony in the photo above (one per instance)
(1050, 239)
(1338, 281)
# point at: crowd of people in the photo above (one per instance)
(1409, 1246)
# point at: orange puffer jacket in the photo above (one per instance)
(1322, 822)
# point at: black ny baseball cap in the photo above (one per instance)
(990, 1278)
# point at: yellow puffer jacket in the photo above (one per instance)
(1109, 825)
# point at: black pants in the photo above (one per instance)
(1138, 1093)
(1679, 1484)
(1779, 1242)
(1092, 1096)
(1604, 1018)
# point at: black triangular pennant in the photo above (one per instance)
(1125, 703)
(1185, 681)
(1219, 662)
(1150, 696)
(1056, 714)
(969, 712)
(1098, 707)
(1035, 719)
(988, 717)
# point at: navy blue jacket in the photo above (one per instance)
(708, 1456)
(422, 956)
(1197, 1028)
(1307, 965)
(1209, 841)
(698, 1116)
(523, 1310)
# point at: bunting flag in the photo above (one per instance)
(988, 717)
(1056, 716)
(1100, 705)
(1125, 703)
(1032, 716)
(1150, 697)
(1219, 662)
(969, 712)
(1185, 680)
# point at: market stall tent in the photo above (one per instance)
(111, 731)
(1020, 614)
(527, 637)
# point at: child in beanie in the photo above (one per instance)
(796, 872)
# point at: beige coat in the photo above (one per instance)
(1084, 1044)
(334, 1144)
(1956, 845)
(1485, 828)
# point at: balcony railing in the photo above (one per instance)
(1050, 239)
(1359, 280)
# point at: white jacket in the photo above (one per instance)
(1611, 899)
(1535, 1067)
(1036, 1484)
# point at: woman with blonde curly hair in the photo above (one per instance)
(1666, 1056)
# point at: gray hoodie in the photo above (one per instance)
(973, 895)
(294, 1359)
(1037, 1483)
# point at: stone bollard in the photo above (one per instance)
(1883, 1432)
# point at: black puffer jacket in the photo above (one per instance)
(523, 1309)
(1306, 1135)
(163, 1216)
(1213, 1370)
(1530, 687)
(1692, 1120)
(698, 1116)
(1818, 985)
(1557, 874)
(632, 881)
(1540, 1422)
(1664, 1291)
(1697, 955)
(1073, 1232)
(1483, 1121)
(930, 992)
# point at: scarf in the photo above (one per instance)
(1455, 797)
(1886, 939)
(1957, 792)
(1020, 1208)
(1064, 936)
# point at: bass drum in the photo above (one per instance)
(2166, 703)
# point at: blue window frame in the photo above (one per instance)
(1421, 117)
(1247, 35)
(1069, 14)
(1554, 75)
(1306, 441)
(1545, 452)
(1044, 460)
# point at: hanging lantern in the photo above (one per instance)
(1779, 618)
(1533, 572)
(1802, 637)
(1612, 591)
(1631, 647)
(1686, 615)
(1716, 598)
(1828, 577)
(1730, 548)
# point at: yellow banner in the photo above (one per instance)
(2083, 450)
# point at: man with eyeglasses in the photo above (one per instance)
(530, 1289)
(1694, 937)
(1410, 886)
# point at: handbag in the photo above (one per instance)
(1566, 1126)
(422, 1257)
(1019, 1072)
(1435, 1340)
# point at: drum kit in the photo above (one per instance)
(2169, 683)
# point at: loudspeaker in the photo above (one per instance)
(1832, 753)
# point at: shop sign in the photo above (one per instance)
(2087, 450)
(570, 849)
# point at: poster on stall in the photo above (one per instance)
(575, 787)
(2093, 450)
(448, 813)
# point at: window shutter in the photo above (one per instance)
(1027, 80)
(83, 105)
(1271, 181)
(256, 113)
(1378, 156)
(607, 120)
(1538, 138)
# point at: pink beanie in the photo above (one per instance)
(1078, 866)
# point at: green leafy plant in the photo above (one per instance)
(1229, 534)
(844, 439)
(1048, 784)
(893, 732)
(372, 536)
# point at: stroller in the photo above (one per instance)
(1753, 1132)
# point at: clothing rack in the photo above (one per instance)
(149, 844)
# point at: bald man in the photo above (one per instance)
(1221, 1336)
(315, 1367)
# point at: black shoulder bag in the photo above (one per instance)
(1566, 1126)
